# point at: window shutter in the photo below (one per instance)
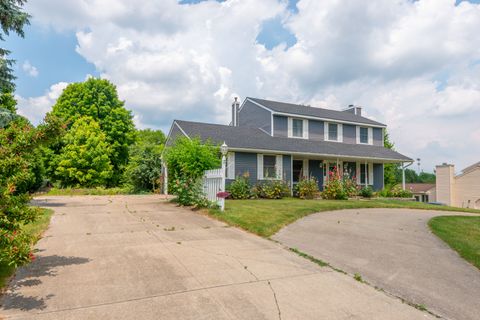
(290, 129)
(358, 134)
(279, 166)
(340, 132)
(231, 165)
(370, 135)
(259, 166)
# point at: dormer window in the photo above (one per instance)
(364, 135)
(297, 128)
(333, 132)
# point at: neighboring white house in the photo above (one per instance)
(461, 190)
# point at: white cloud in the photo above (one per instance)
(411, 64)
(35, 108)
(29, 69)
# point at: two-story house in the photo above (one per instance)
(277, 140)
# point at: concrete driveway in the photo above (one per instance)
(394, 250)
(137, 257)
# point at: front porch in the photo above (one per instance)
(364, 172)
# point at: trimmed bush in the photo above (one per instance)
(307, 188)
(366, 192)
(271, 189)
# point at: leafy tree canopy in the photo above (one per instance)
(144, 169)
(98, 99)
(189, 158)
(12, 19)
(84, 160)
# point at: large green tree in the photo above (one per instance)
(98, 99)
(12, 19)
(144, 169)
(84, 160)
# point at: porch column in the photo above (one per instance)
(366, 174)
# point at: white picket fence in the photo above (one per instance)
(214, 182)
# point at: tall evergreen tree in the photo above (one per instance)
(390, 169)
(12, 19)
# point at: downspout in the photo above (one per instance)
(403, 173)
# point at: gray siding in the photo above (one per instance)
(377, 176)
(246, 163)
(315, 130)
(349, 133)
(253, 116)
(280, 126)
(316, 170)
(377, 136)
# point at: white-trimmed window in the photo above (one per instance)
(297, 128)
(269, 166)
(364, 173)
(333, 131)
(364, 135)
(230, 166)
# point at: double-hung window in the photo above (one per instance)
(297, 128)
(364, 135)
(269, 168)
(333, 131)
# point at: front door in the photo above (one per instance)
(297, 170)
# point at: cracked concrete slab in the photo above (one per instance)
(139, 257)
(394, 250)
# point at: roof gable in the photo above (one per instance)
(307, 111)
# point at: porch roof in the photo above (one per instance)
(255, 140)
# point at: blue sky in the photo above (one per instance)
(411, 64)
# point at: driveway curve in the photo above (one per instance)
(139, 257)
(394, 250)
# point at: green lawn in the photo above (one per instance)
(266, 217)
(35, 229)
(461, 234)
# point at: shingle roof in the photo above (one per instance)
(298, 109)
(251, 138)
(419, 187)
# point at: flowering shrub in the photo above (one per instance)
(240, 188)
(189, 192)
(307, 188)
(334, 189)
(350, 186)
(271, 189)
(18, 141)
